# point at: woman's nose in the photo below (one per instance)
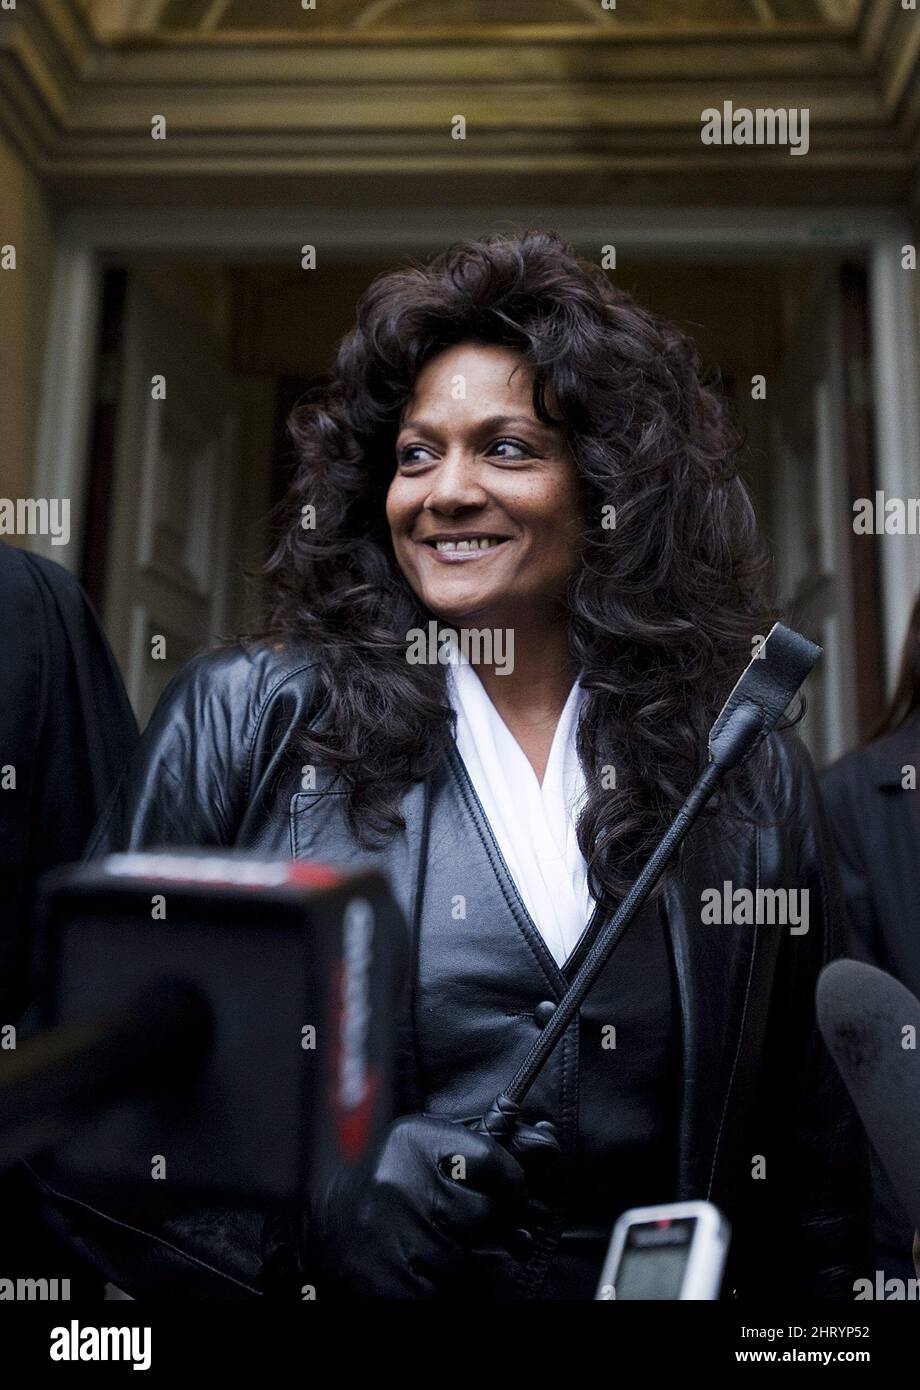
(455, 483)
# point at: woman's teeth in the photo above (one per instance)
(474, 543)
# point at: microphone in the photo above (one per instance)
(871, 1025)
(228, 1016)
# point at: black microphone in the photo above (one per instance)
(232, 1014)
(871, 1025)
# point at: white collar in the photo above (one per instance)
(533, 823)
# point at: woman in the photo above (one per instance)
(874, 808)
(512, 450)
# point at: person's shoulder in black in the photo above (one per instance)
(66, 730)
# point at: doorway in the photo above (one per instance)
(262, 328)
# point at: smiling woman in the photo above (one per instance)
(510, 390)
(511, 498)
(486, 524)
(511, 446)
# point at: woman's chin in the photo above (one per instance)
(457, 608)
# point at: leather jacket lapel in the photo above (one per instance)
(522, 918)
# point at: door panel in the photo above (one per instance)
(812, 515)
(175, 490)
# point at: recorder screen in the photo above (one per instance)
(654, 1260)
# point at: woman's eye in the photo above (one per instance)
(522, 450)
(409, 453)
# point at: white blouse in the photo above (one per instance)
(534, 825)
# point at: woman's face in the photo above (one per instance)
(474, 464)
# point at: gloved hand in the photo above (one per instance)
(437, 1191)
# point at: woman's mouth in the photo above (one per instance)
(464, 549)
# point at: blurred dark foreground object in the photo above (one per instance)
(218, 1022)
(66, 730)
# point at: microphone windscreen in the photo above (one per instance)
(871, 1025)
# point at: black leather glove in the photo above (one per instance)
(436, 1192)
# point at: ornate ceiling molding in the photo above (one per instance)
(118, 18)
(567, 101)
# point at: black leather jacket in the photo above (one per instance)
(758, 1093)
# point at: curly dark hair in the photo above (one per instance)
(662, 609)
